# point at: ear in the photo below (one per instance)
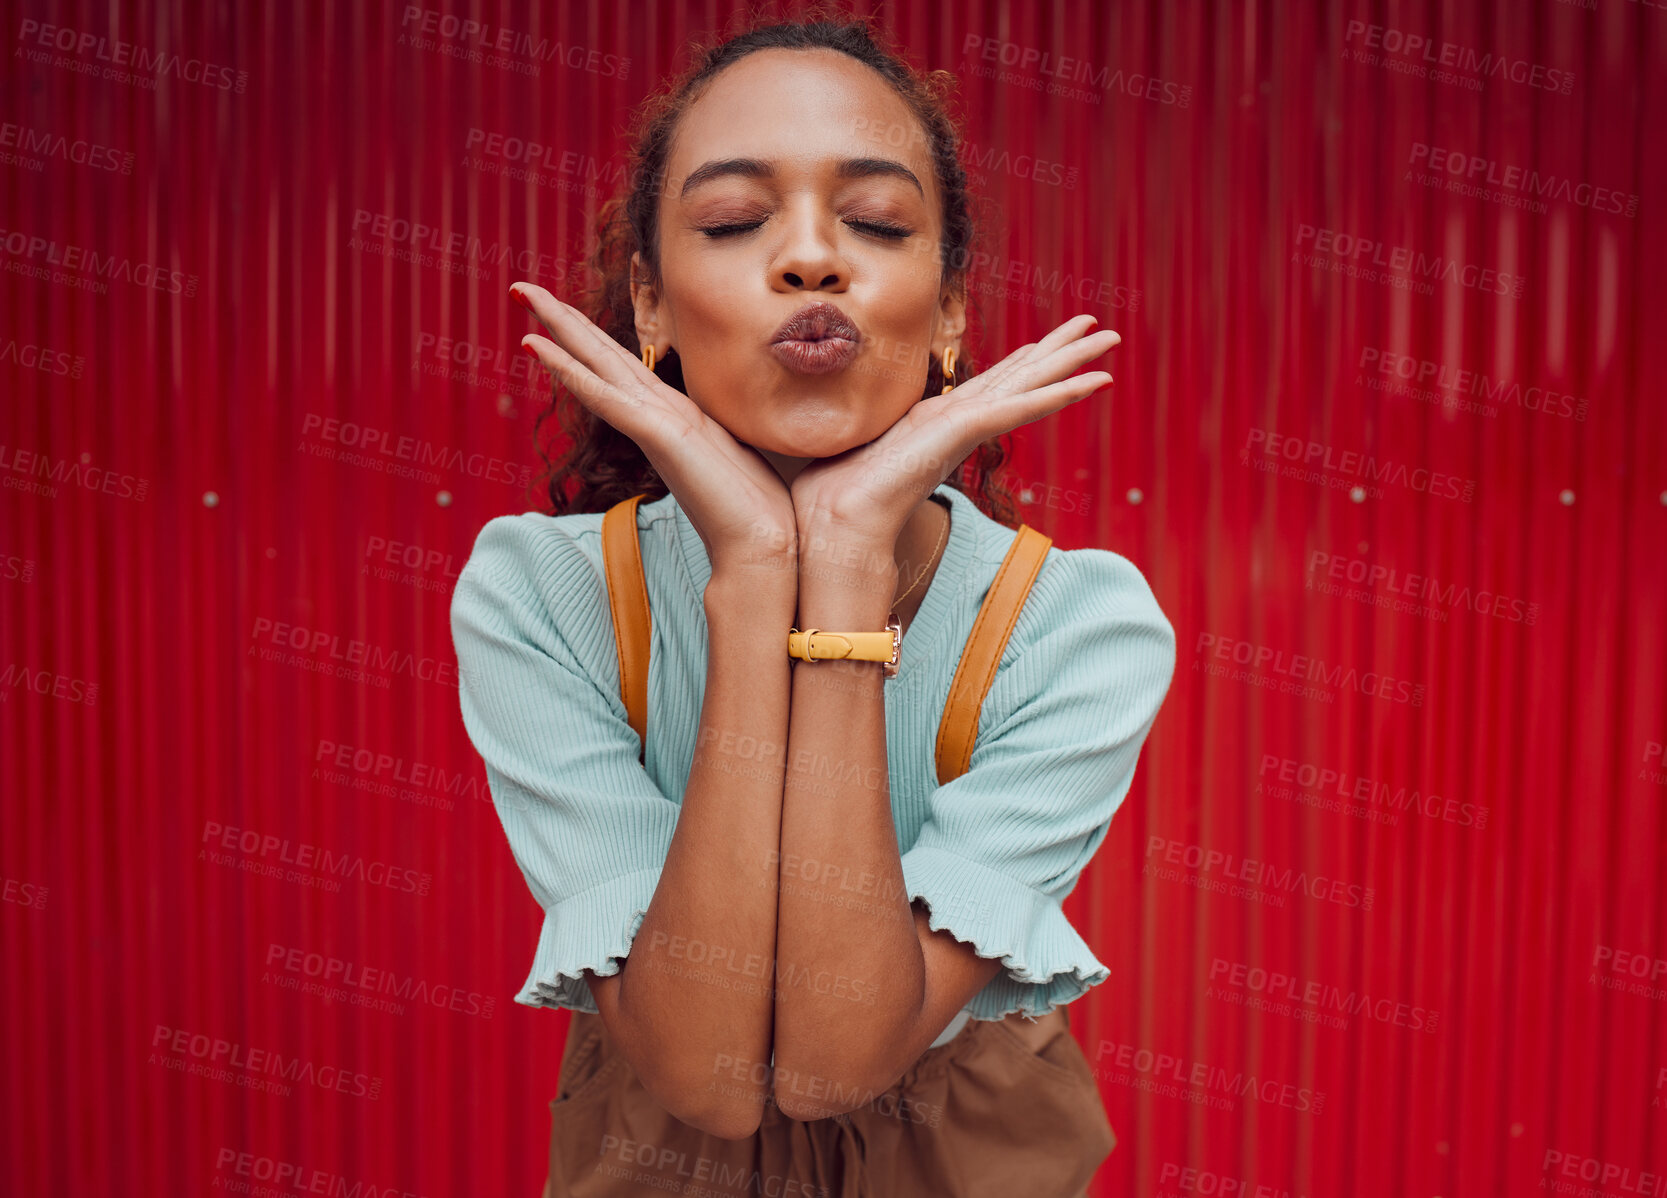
(645, 302)
(952, 314)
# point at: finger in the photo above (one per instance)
(991, 414)
(1091, 382)
(1074, 355)
(569, 327)
(1003, 373)
(632, 361)
(1078, 332)
(1034, 365)
(1033, 405)
(596, 393)
(1022, 363)
(585, 342)
(1072, 329)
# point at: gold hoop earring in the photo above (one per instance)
(648, 356)
(948, 369)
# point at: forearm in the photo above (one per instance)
(696, 995)
(851, 972)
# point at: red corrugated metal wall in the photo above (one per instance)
(1386, 438)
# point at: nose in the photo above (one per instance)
(809, 256)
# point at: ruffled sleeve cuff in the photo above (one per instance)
(1047, 964)
(587, 931)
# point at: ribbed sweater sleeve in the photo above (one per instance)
(1087, 667)
(540, 700)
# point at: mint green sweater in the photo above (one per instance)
(993, 853)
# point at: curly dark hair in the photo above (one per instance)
(601, 465)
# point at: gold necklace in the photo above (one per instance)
(897, 601)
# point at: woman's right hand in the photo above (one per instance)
(736, 501)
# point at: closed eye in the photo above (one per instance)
(880, 229)
(874, 228)
(730, 230)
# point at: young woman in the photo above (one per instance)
(799, 964)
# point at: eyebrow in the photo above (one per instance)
(759, 168)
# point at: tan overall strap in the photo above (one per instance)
(996, 617)
(628, 603)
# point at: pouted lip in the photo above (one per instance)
(819, 321)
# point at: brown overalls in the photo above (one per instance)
(1008, 1108)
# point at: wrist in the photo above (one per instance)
(773, 555)
(845, 600)
(827, 538)
(846, 572)
(757, 595)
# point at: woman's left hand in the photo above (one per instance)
(866, 494)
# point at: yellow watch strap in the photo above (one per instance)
(818, 644)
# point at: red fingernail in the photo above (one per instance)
(533, 353)
(521, 299)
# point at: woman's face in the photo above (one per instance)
(800, 177)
